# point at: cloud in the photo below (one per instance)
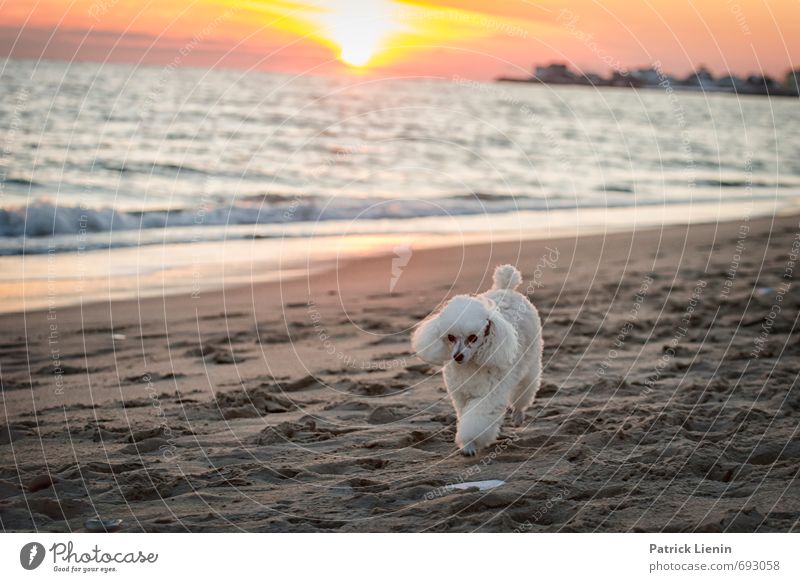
(85, 44)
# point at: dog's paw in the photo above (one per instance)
(518, 418)
(469, 450)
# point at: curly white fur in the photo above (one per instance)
(491, 349)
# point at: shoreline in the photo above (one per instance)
(127, 273)
(696, 89)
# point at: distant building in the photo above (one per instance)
(624, 80)
(792, 82)
(764, 83)
(701, 78)
(594, 79)
(648, 77)
(556, 73)
(732, 83)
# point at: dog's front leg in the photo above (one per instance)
(479, 423)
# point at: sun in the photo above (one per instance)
(360, 28)
(356, 55)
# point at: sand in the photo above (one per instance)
(669, 398)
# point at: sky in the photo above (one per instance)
(478, 39)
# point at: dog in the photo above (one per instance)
(491, 348)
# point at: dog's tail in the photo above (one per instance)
(507, 277)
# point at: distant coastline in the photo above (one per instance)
(654, 77)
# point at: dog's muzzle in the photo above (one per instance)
(458, 351)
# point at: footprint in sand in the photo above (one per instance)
(305, 431)
(13, 432)
(347, 467)
(243, 403)
(215, 354)
(149, 445)
(147, 485)
(371, 389)
(59, 509)
(274, 475)
(384, 415)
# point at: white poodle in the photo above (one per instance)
(491, 349)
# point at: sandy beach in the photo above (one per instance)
(669, 400)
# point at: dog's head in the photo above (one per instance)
(466, 329)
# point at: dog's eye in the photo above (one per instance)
(451, 338)
(472, 338)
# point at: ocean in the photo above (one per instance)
(108, 157)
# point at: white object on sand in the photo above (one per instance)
(481, 485)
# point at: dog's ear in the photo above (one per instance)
(427, 341)
(499, 347)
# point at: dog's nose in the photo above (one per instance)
(459, 357)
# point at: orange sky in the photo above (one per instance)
(469, 38)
